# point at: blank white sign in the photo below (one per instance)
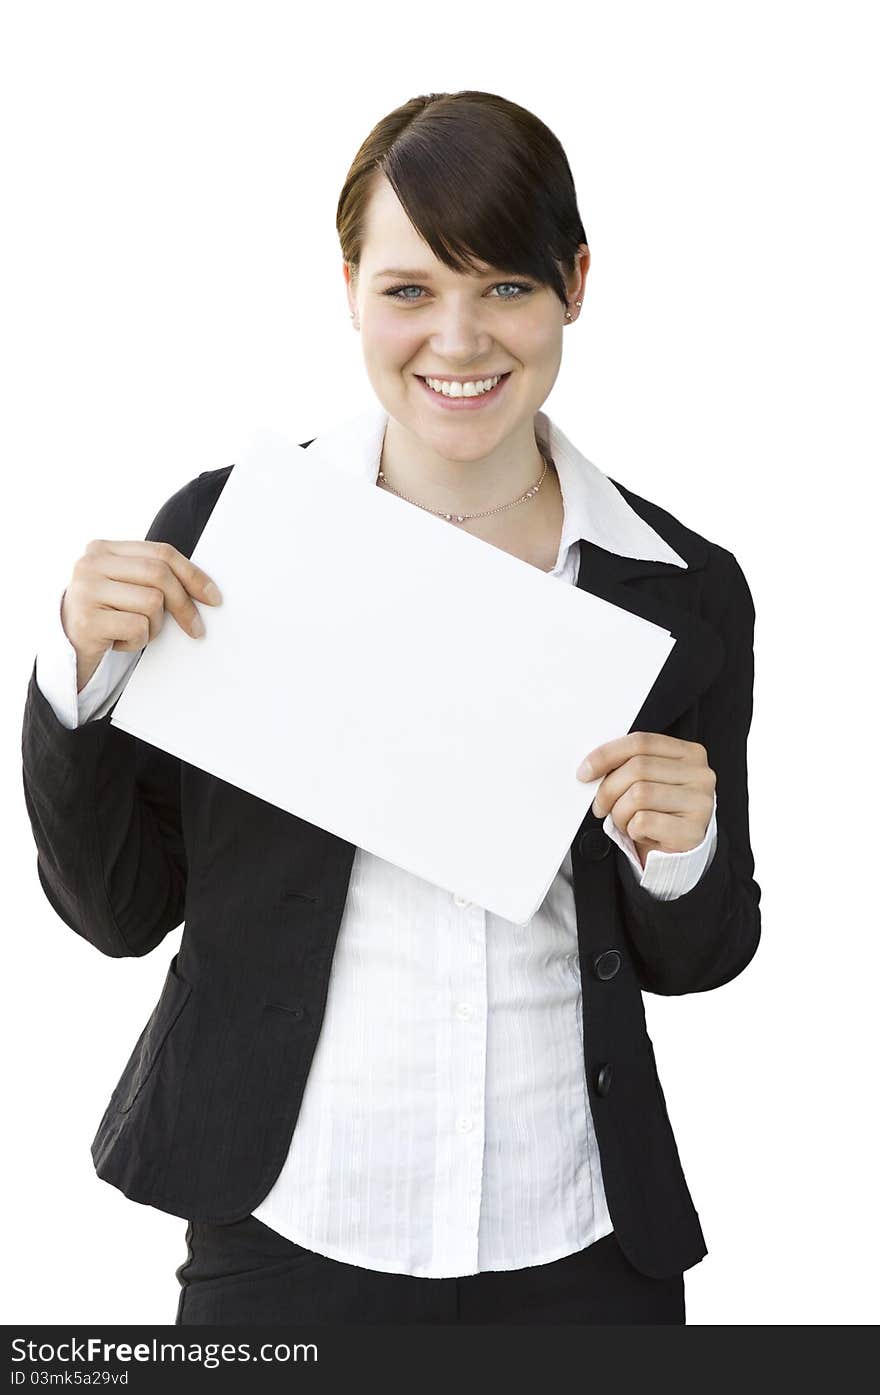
(389, 677)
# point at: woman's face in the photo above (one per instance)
(437, 322)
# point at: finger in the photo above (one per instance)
(160, 569)
(613, 753)
(119, 604)
(655, 798)
(669, 832)
(193, 578)
(671, 770)
(142, 586)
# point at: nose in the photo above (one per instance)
(457, 336)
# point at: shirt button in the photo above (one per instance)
(464, 1011)
(464, 1123)
(460, 900)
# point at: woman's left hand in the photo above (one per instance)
(658, 789)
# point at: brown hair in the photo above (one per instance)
(479, 178)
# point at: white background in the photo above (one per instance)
(172, 280)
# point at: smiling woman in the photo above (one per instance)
(461, 275)
(357, 1080)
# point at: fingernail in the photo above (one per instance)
(212, 594)
(198, 626)
(585, 770)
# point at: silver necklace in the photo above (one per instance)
(462, 517)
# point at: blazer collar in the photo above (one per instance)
(623, 539)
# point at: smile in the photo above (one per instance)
(464, 397)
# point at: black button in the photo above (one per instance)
(606, 965)
(603, 1079)
(593, 844)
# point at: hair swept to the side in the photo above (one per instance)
(480, 178)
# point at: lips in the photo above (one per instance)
(469, 403)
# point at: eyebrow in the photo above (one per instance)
(415, 275)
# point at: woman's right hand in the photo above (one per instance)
(118, 595)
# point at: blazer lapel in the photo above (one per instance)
(698, 652)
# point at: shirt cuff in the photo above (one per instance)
(56, 677)
(667, 875)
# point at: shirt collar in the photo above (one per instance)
(593, 507)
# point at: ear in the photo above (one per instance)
(350, 279)
(577, 281)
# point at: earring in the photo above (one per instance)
(578, 303)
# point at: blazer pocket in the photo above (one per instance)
(172, 1000)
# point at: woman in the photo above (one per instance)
(372, 1100)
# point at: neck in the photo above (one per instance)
(463, 486)
(530, 529)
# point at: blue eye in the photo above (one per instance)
(521, 287)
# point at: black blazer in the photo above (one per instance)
(131, 841)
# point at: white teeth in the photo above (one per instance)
(462, 389)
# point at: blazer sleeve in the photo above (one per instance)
(707, 936)
(104, 807)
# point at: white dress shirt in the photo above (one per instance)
(445, 1126)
